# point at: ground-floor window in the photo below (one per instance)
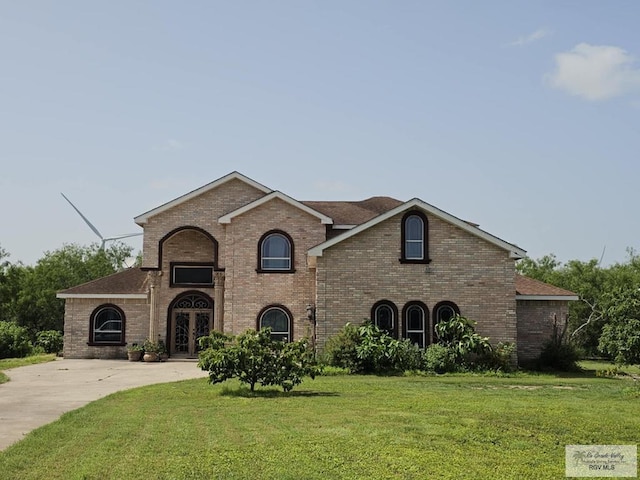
(416, 319)
(443, 312)
(106, 326)
(383, 315)
(278, 318)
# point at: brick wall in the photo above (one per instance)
(247, 292)
(76, 326)
(476, 275)
(535, 324)
(202, 211)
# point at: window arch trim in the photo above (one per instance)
(92, 321)
(426, 331)
(394, 311)
(287, 313)
(404, 258)
(263, 238)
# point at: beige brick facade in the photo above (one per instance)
(76, 326)
(535, 325)
(477, 276)
(222, 226)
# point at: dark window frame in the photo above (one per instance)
(426, 322)
(436, 311)
(425, 238)
(173, 265)
(394, 311)
(287, 237)
(92, 320)
(287, 313)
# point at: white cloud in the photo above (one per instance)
(595, 72)
(525, 40)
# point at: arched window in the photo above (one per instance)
(415, 245)
(275, 252)
(384, 315)
(278, 318)
(443, 311)
(416, 318)
(106, 326)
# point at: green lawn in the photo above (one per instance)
(7, 363)
(352, 427)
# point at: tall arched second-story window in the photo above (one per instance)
(275, 252)
(415, 238)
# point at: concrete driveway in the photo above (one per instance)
(39, 394)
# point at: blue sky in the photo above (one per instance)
(523, 117)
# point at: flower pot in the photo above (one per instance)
(134, 355)
(150, 357)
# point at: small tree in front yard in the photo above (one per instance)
(253, 357)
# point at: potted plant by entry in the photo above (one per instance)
(150, 351)
(134, 352)
(163, 354)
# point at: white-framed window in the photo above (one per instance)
(415, 323)
(278, 318)
(107, 326)
(275, 252)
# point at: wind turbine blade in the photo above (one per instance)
(125, 235)
(95, 230)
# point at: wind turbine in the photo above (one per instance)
(95, 230)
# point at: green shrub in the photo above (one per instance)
(458, 334)
(378, 352)
(14, 341)
(620, 340)
(439, 359)
(367, 349)
(254, 358)
(561, 356)
(341, 350)
(51, 341)
(496, 358)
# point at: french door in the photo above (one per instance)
(188, 326)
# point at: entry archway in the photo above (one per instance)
(190, 317)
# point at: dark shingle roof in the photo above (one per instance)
(354, 213)
(532, 287)
(130, 281)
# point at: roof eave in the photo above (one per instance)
(515, 252)
(566, 298)
(225, 219)
(103, 295)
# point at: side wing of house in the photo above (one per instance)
(103, 316)
(411, 267)
(540, 307)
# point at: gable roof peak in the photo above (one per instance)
(235, 175)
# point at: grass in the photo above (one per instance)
(8, 363)
(349, 427)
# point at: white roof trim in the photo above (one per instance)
(548, 297)
(103, 295)
(143, 218)
(267, 198)
(514, 251)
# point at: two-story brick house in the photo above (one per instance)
(234, 255)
